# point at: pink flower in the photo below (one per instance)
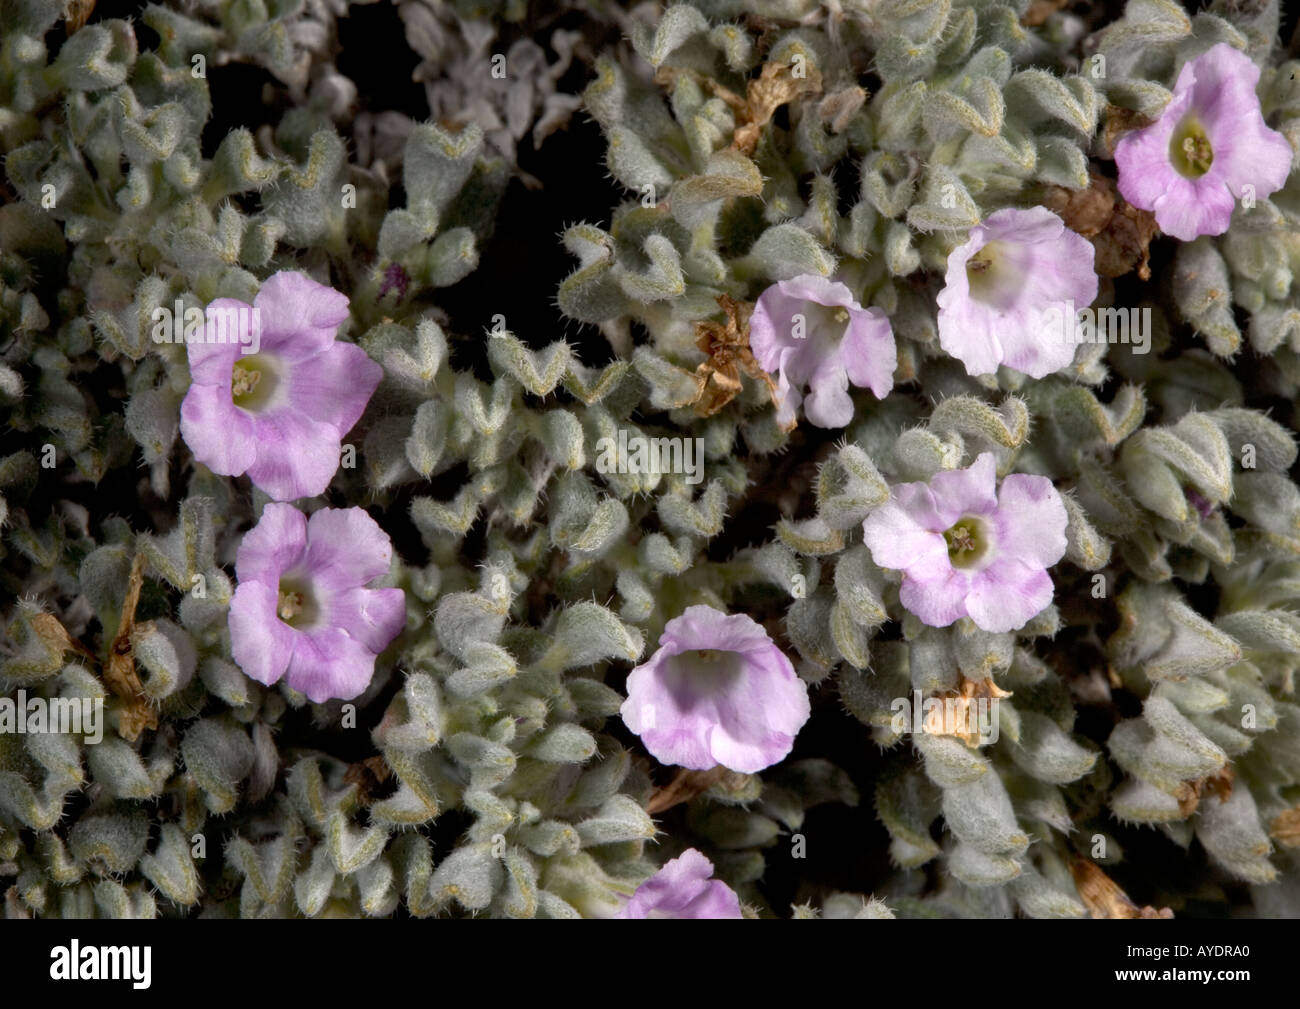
(1007, 289)
(718, 691)
(683, 888)
(815, 334)
(302, 609)
(969, 550)
(279, 413)
(1208, 146)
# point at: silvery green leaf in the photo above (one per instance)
(620, 818)
(787, 250)
(1039, 899)
(948, 761)
(114, 841)
(1071, 100)
(1049, 754)
(218, 755)
(1202, 291)
(1232, 834)
(537, 371)
(586, 633)
(97, 57)
(980, 815)
(171, 868)
(978, 868)
(437, 164)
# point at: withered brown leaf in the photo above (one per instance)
(119, 669)
(775, 86)
(1117, 120)
(368, 775)
(686, 785)
(1040, 10)
(1285, 828)
(55, 636)
(1119, 231)
(969, 693)
(1219, 784)
(727, 348)
(1103, 897)
(77, 14)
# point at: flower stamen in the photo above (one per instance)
(960, 539)
(290, 605)
(252, 381)
(295, 604)
(243, 381)
(1190, 149)
(967, 541)
(1198, 153)
(989, 278)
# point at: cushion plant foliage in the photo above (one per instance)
(888, 510)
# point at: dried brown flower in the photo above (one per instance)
(1103, 897)
(727, 347)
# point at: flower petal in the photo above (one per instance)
(702, 626)
(1190, 209)
(1221, 84)
(1027, 226)
(299, 317)
(1007, 594)
(756, 725)
(346, 548)
(213, 358)
(1031, 520)
(1142, 156)
(220, 435)
(770, 326)
(969, 491)
(273, 546)
(373, 616)
(671, 732)
(788, 400)
(683, 888)
(335, 385)
(968, 332)
(869, 353)
(902, 534)
(330, 664)
(938, 601)
(296, 456)
(829, 403)
(818, 289)
(1259, 157)
(1036, 343)
(261, 644)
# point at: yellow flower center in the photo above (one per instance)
(290, 605)
(1190, 149)
(967, 541)
(243, 381)
(993, 276)
(252, 380)
(295, 604)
